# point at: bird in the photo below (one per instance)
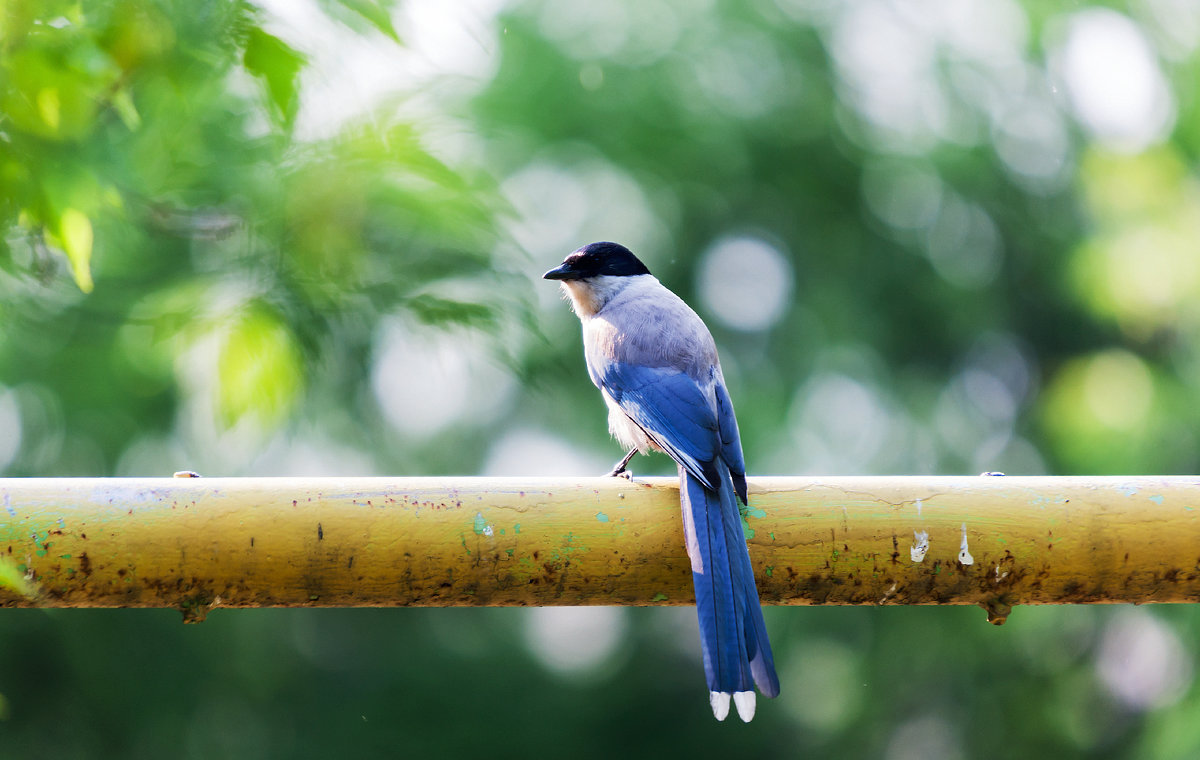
(655, 363)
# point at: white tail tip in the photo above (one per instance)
(745, 701)
(720, 704)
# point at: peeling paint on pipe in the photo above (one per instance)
(196, 544)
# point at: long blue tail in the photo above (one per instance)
(733, 636)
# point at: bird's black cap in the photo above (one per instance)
(597, 259)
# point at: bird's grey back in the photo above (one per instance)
(647, 325)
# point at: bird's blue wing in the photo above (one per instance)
(673, 410)
(731, 441)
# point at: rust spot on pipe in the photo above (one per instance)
(1023, 552)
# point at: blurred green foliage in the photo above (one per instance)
(928, 237)
(150, 146)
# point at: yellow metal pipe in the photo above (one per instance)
(195, 544)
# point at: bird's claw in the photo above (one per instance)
(619, 470)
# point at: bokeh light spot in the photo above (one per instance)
(839, 423)
(746, 282)
(963, 244)
(825, 688)
(424, 384)
(1100, 411)
(1115, 84)
(905, 196)
(931, 737)
(530, 452)
(573, 640)
(1032, 141)
(1118, 389)
(1142, 662)
(10, 427)
(1175, 25)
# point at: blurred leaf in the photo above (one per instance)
(433, 310)
(74, 235)
(325, 212)
(258, 371)
(15, 20)
(125, 108)
(279, 65)
(377, 14)
(138, 33)
(54, 95)
(171, 310)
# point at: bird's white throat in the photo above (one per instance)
(589, 296)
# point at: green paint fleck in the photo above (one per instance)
(659, 597)
(517, 528)
(40, 552)
(509, 552)
(770, 570)
(64, 556)
(754, 512)
(502, 531)
(772, 535)
(937, 569)
(835, 553)
(480, 524)
(601, 517)
(1157, 499)
(747, 531)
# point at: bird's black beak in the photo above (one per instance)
(563, 272)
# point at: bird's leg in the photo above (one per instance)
(619, 470)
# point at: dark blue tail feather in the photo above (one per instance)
(733, 636)
(758, 646)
